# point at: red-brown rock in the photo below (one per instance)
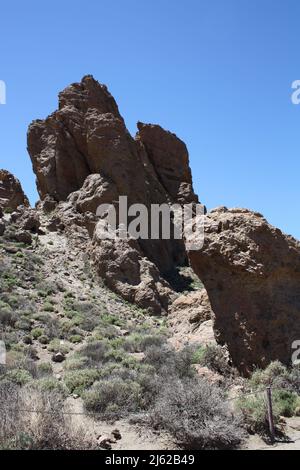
(251, 271)
(11, 192)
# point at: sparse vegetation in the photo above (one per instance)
(285, 396)
(47, 428)
(196, 414)
(120, 364)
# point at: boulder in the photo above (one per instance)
(11, 192)
(251, 271)
(58, 357)
(22, 236)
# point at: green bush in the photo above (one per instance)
(58, 346)
(75, 339)
(254, 412)
(44, 368)
(278, 376)
(37, 332)
(43, 339)
(76, 362)
(23, 324)
(198, 355)
(169, 362)
(113, 398)
(79, 380)
(97, 352)
(49, 384)
(285, 402)
(18, 376)
(138, 342)
(48, 307)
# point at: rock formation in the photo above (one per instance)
(83, 156)
(251, 271)
(11, 192)
(191, 319)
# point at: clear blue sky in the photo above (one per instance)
(218, 73)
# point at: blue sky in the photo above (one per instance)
(218, 73)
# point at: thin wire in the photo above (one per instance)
(78, 413)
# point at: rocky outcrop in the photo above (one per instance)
(128, 272)
(191, 319)
(84, 156)
(11, 192)
(251, 271)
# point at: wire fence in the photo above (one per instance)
(265, 391)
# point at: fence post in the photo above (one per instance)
(270, 414)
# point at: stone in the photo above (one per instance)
(11, 249)
(23, 236)
(58, 357)
(105, 442)
(251, 271)
(116, 434)
(83, 156)
(11, 192)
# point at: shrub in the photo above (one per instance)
(169, 362)
(23, 324)
(196, 415)
(7, 317)
(18, 376)
(198, 355)
(58, 346)
(76, 362)
(294, 378)
(37, 332)
(216, 359)
(139, 343)
(285, 402)
(75, 339)
(113, 398)
(43, 339)
(275, 374)
(79, 380)
(278, 376)
(47, 428)
(49, 384)
(108, 332)
(96, 351)
(254, 411)
(44, 368)
(48, 307)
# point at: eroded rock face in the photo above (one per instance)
(191, 319)
(251, 271)
(83, 156)
(11, 192)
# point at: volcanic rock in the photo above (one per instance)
(251, 271)
(83, 156)
(11, 192)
